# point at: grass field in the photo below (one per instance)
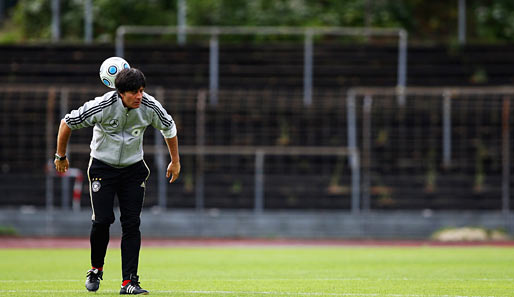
(270, 271)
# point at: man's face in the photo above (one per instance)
(132, 99)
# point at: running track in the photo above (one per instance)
(50, 242)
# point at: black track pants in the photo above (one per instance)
(129, 185)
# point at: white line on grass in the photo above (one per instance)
(343, 279)
(252, 293)
(315, 294)
(46, 280)
(280, 279)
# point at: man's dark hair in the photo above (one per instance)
(130, 79)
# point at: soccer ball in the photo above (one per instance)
(110, 69)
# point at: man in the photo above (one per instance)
(117, 167)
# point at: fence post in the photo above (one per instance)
(159, 160)
(88, 21)
(402, 66)
(307, 68)
(181, 20)
(506, 156)
(462, 22)
(56, 20)
(356, 177)
(49, 131)
(259, 181)
(200, 146)
(50, 140)
(366, 152)
(352, 146)
(447, 132)
(65, 180)
(120, 35)
(213, 69)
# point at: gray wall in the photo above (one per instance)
(270, 224)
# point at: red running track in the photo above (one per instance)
(53, 242)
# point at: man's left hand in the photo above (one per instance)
(173, 171)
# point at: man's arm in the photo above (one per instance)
(174, 166)
(62, 143)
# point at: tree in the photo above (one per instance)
(488, 20)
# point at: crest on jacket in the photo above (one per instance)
(114, 123)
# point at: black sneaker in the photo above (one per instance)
(133, 287)
(93, 279)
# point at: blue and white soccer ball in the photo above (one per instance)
(110, 69)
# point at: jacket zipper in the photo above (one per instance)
(123, 137)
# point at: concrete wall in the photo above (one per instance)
(270, 224)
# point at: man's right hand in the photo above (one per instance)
(61, 166)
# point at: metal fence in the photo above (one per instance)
(355, 150)
(307, 33)
(254, 150)
(444, 148)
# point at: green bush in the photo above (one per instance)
(7, 231)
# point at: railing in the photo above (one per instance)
(308, 34)
(445, 148)
(482, 113)
(258, 153)
(60, 101)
